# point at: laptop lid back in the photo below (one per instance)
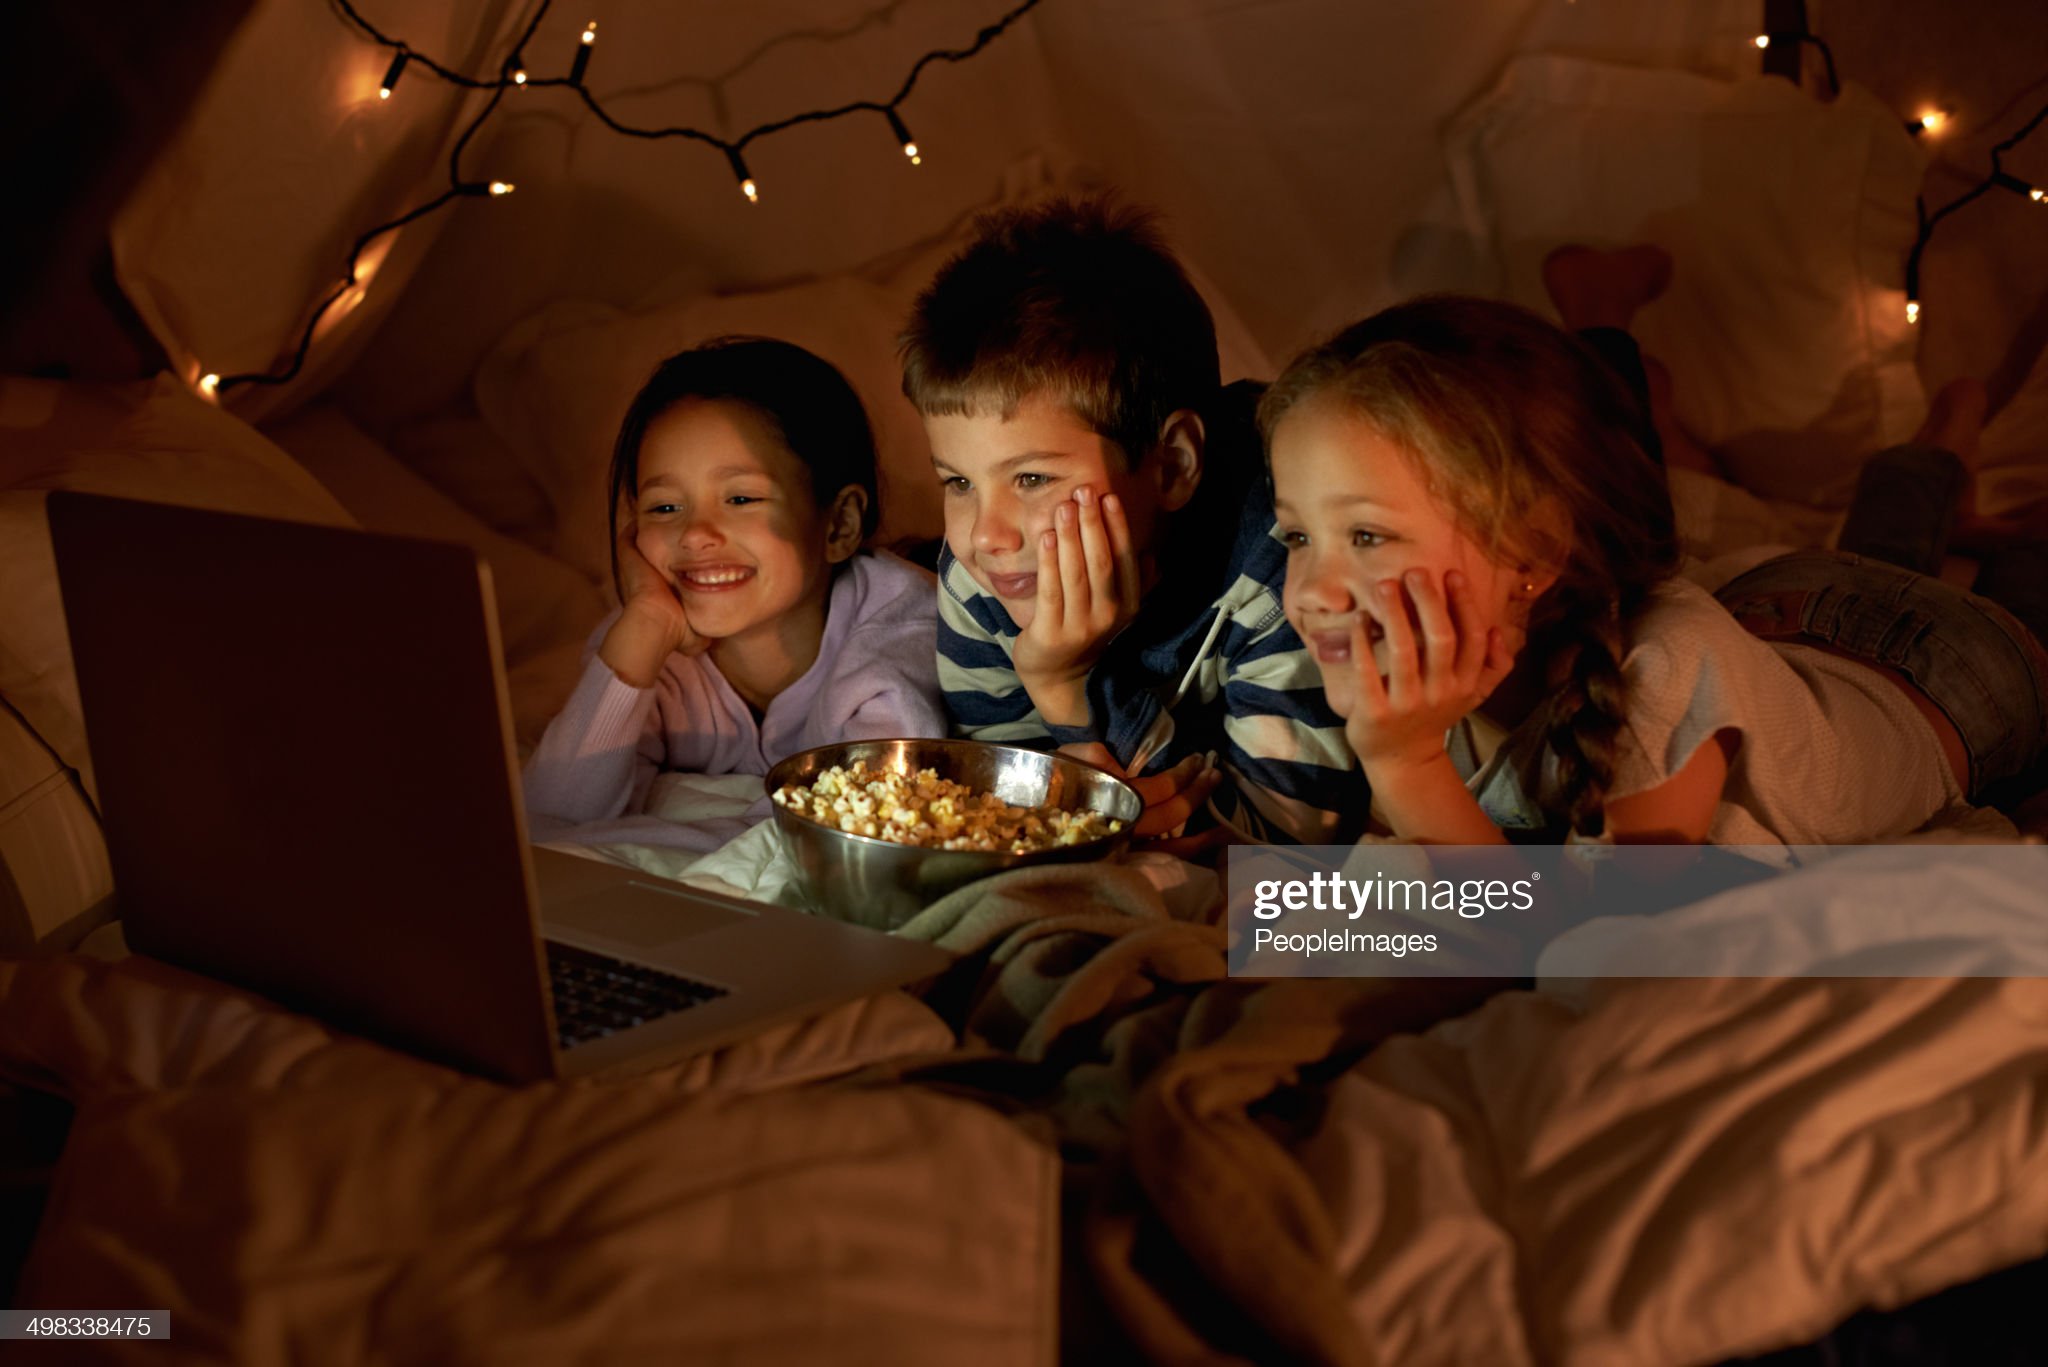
(306, 770)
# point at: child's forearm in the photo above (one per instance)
(636, 648)
(1061, 702)
(1429, 802)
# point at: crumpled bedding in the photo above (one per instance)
(294, 1195)
(1345, 1171)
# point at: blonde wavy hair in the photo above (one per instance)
(1528, 439)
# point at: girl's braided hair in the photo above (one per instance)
(1528, 439)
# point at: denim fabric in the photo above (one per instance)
(1973, 659)
(1905, 507)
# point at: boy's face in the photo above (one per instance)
(1005, 477)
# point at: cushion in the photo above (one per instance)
(545, 609)
(53, 862)
(1789, 220)
(464, 459)
(153, 441)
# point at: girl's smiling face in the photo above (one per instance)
(1355, 511)
(728, 514)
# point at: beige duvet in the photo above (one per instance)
(1645, 1171)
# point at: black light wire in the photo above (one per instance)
(459, 188)
(1999, 179)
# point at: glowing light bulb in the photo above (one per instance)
(209, 385)
(1912, 311)
(902, 133)
(392, 74)
(2037, 195)
(1763, 40)
(519, 76)
(1930, 121)
(502, 187)
(581, 62)
(743, 175)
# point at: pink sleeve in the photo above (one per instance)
(600, 753)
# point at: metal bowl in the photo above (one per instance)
(879, 883)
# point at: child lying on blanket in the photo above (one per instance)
(1479, 541)
(1110, 582)
(751, 624)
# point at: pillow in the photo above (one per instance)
(53, 862)
(1789, 220)
(545, 610)
(465, 460)
(2012, 462)
(153, 441)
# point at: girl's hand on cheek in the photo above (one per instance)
(646, 593)
(653, 624)
(1442, 662)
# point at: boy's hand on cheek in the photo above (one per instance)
(1087, 593)
(1442, 662)
(653, 623)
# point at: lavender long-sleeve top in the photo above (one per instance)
(876, 676)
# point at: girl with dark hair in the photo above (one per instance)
(751, 624)
(1482, 559)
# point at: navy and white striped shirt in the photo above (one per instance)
(1255, 697)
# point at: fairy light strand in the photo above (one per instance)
(1999, 179)
(1790, 27)
(513, 74)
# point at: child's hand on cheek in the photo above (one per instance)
(1087, 593)
(653, 624)
(1442, 662)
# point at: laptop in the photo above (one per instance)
(310, 789)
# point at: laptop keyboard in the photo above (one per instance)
(596, 994)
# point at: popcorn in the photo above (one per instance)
(925, 810)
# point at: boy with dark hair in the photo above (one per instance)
(1111, 576)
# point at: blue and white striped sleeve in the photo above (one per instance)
(1297, 777)
(985, 700)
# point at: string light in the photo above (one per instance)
(1998, 179)
(1791, 28)
(580, 63)
(514, 75)
(741, 174)
(391, 76)
(903, 136)
(209, 386)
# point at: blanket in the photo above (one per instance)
(1342, 1171)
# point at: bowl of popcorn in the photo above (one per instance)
(880, 829)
